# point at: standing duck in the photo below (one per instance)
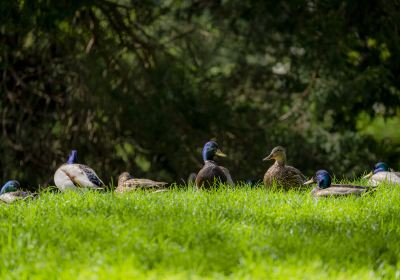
(324, 187)
(382, 173)
(72, 175)
(283, 175)
(211, 171)
(10, 193)
(127, 183)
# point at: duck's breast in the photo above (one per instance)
(208, 174)
(63, 180)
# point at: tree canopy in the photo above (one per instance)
(142, 85)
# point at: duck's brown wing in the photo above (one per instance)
(134, 184)
(208, 175)
(293, 177)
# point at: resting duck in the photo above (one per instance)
(127, 183)
(211, 171)
(382, 173)
(324, 187)
(72, 175)
(283, 175)
(10, 193)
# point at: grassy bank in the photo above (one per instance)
(239, 233)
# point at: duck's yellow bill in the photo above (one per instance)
(369, 175)
(220, 153)
(309, 182)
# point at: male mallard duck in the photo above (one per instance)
(324, 188)
(211, 171)
(72, 175)
(283, 175)
(127, 183)
(10, 193)
(382, 173)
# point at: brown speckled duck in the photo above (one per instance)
(325, 189)
(126, 183)
(211, 171)
(282, 175)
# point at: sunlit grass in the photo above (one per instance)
(235, 233)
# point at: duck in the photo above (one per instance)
(382, 173)
(325, 188)
(10, 193)
(127, 183)
(74, 176)
(211, 171)
(284, 176)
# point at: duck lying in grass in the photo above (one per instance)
(324, 187)
(10, 193)
(211, 171)
(72, 175)
(282, 175)
(127, 183)
(382, 173)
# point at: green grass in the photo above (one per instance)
(228, 233)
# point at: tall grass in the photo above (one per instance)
(226, 233)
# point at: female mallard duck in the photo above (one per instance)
(10, 193)
(72, 176)
(211, 171)
(324, 187)
(382, 173)
(127, 183)
(283, 175)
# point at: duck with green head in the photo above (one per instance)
(325, 188)
(127, 183)
(73, 176)
(382, 173)
(282, 175)
(211, 171)
(10, 193)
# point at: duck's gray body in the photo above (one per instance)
(338, 190)
(384, 176)
(10, 197)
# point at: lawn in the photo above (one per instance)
(242, 233)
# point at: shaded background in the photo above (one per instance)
(142, 85)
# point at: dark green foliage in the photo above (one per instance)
(142, 85)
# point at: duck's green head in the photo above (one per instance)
(381, 167)
(210, 150)
(10, 186)
(73, 157)
(322, 178)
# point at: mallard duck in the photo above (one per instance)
(127, 183)
(211, 171)
(10, 193)
(283, 175)
(72, 175)
(325, 188)
(382, 173)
